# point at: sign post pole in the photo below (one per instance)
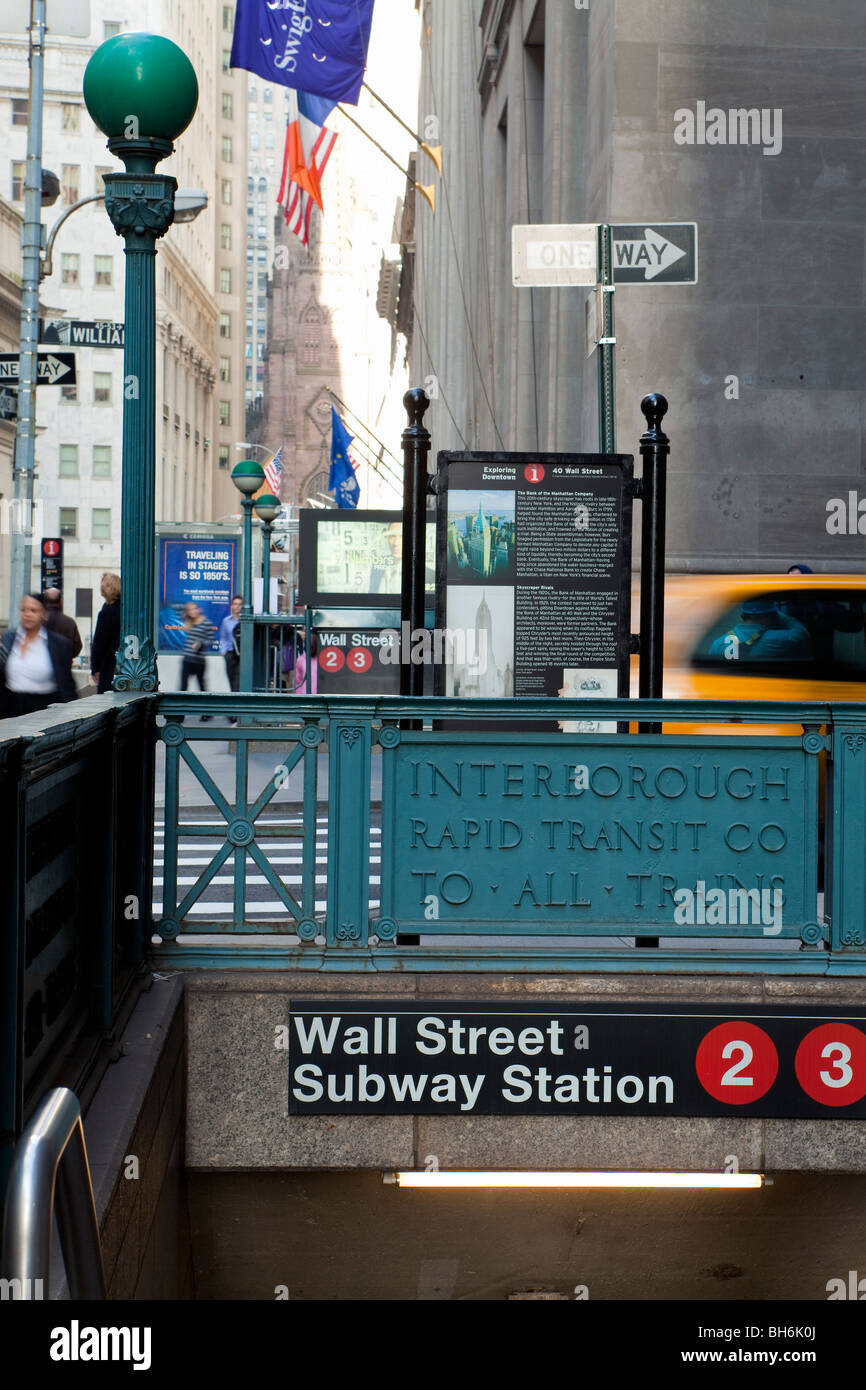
(606, 347)
(25, 430)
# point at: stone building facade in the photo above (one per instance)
(555, 112)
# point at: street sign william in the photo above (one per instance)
(54, 369)
(102, 333)
(554, 254)
(657, 253)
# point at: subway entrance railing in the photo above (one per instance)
(392, 834)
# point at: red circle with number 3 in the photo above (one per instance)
(737, 1063)
(831, 1064)
(359, 660)
(534, 472)
(331, 659)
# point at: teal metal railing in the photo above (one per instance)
(467, 835)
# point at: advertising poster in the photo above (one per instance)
(194, 569)
(534, 569)
(356, 559)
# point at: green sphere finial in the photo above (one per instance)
(140, 86)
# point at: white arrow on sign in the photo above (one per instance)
(655, 253)
(52, 368)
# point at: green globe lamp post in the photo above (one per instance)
(141, 90)
(247, 477)
(268, 508)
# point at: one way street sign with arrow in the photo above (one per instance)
(54, 368)
(657, 253)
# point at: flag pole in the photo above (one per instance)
(427, 191)
(433, 152)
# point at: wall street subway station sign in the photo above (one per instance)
(428, 1058)
(601, 836)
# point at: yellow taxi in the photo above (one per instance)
(764, 637)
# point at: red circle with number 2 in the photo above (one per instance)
(331, 659)
(831, 1064)
(737, 1063)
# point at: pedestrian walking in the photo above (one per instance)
(229, 640)
(106, 637)
(198, 634)
(57, 620)
(301, 666)
(35, 663)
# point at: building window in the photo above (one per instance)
(227, 60)
(226, 236)
(268, 94)
(70, 116)
(254, 140)
(260, 328)
(68, 461)
(269, 140)
(225, 412)
(228, 18)
(227, 149)
(19, 110)
(69, 269)
(102, 460)
(19, 171)
(225, 325)
(69, 393)
(100, 527)
(249, 371)
(249, 328)
(69, 183)
(225, 281)
(102, 266)
(100, 178)
(224, 457)
(69, 522)
(226, 188)
(102, 388)
(225, 369)
(228, 106)
(110, 27)
(248, 350)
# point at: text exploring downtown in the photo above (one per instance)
(591, 834)
(427, 1058)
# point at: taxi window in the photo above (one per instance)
(817, 635)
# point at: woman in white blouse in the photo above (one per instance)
(35, 663)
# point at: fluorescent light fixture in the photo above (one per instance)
(577, 1179)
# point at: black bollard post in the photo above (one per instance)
(416, 448)
(654, 450)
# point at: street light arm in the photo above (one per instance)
(46, 267)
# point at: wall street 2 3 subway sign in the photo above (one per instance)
(395, 1058)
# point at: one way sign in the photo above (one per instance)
(655, 253)
(54, 368)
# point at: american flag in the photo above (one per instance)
(308, 148)
(273, 469)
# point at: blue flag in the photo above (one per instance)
(341, 479)
(315, 46)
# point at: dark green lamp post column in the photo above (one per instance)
(268, 508)
(141, 90)
(247, 477)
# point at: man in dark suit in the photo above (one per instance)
(57, 620)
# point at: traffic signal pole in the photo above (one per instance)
(31, 243)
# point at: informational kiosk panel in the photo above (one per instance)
(534, 574)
